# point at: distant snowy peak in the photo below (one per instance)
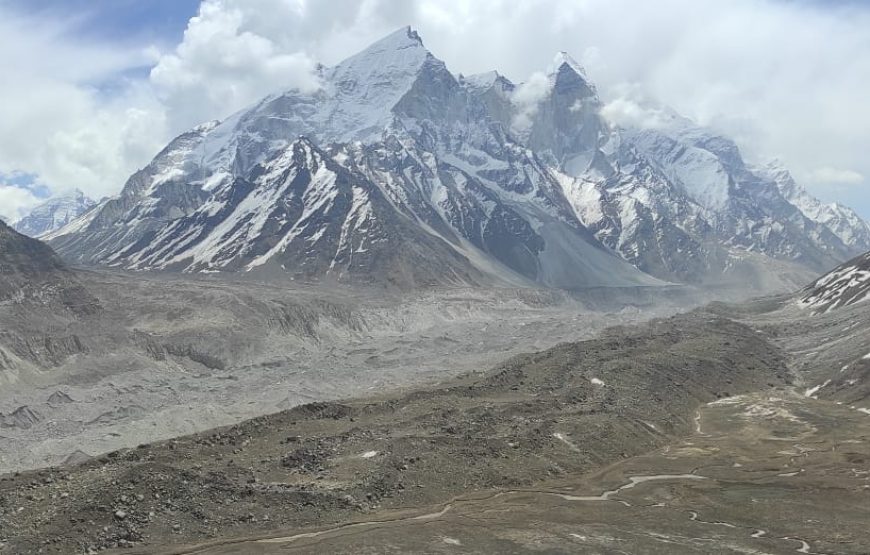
(841, 220)
(758, 209)
(845, 285)
(54, 213)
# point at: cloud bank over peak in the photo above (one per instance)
(227, 60)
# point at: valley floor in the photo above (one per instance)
(171, 355)
(728, 429)
(535, 418)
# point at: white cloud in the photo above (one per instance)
(54, 119)
(527, 97)
(15, 202)
(625, 112)
(231, 55)
(835, 176)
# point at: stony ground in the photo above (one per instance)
(534, 419)
(763, 474)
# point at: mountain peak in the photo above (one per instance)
(393, 59)
(403, 36)
(568, 77)
(413, 35)
(404, 42)
(54, 213)
(563, 61)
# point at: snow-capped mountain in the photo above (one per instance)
(304, 213)
(396, 170)
(845, 285)
(152, 196)
(679, 202)
(54, 213)
(840, 220)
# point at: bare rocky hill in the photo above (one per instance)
(31, 271)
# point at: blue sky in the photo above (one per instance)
(95, 88)
(117, 20)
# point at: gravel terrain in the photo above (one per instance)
(763, 474)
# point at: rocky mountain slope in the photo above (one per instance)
(32, 275)
(24, 261)
(54, 213)
(305, 213)
(825, 328)
(845, 285)
(488, 187)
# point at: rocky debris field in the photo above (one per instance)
(537, 417)
(167, 355)
(768, 472)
